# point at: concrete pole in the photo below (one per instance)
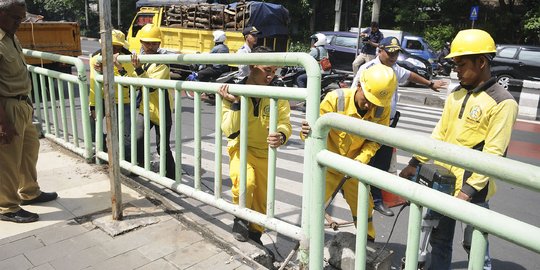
(86, 13)
(338, 15)
(110, 108)
(118, 19)
(359, 26)
(376, 10)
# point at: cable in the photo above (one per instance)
(391, 231)
(274, 244)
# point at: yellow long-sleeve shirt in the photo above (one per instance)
(258, 121)
(481, 119)
(349, 145)
(155, 71)
(129, 72)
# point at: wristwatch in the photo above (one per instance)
(282, 140)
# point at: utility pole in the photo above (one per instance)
(118, 19)
(110, 111)
(376, 8)
(358, 40)
(338, 15)
(86, 14)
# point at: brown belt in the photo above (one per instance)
(20, 98)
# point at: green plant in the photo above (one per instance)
(298, 46)
(438, 35)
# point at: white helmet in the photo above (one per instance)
(319, 39)
(219, 36)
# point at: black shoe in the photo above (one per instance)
(256, 237)
(43, 197)
(21, 216)
(240, 230)
(381, 208)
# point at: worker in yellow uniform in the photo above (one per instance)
(479, 114)
(369, 101)
(120, 46)
(150, 37)
(259, 139)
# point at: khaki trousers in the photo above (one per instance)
(360, 60)
(18, 175)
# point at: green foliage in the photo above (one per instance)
(298, 46)
(438, 35)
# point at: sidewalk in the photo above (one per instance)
(76, 231)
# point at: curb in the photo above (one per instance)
(89, 38)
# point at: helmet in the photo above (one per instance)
(119, 39)
(219, 36)
(378, 84)
(318, 39)
(472, 41)
(150, 33)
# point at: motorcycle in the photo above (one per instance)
(226, 77)
(329, 82)
(444, 65)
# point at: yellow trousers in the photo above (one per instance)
(350, 193)
(18, 175)
(256, 182)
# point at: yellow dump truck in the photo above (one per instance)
(187, 26)
(53, 37)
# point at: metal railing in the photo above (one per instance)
(484, 221)
(310, 94)
(46, 88)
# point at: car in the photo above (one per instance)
(516, 62)
(341, 48)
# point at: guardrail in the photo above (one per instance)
(484, 221)
(45, 88)
(311, 94)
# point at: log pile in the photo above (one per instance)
(208, 16)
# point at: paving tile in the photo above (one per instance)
(135, 239)
(81, 259)
(16, 263)
(125, 261)
(193, 254)
(50, 213)
(169, 243)
(92, 198)
(244, 267)
(66, 247)
(19, 247)
(61, 232)
(160, 264)
(222, 261)
(44, 266)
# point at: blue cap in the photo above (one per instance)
(390, 44)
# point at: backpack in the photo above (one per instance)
(324, 62)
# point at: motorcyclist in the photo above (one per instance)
(215, 70)
(318, 51)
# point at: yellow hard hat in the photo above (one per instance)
(119, 39)
(378, 84)
(472, 41)
(150, 33)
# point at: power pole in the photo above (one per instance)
(338, 15)
(118, 20)
(376, 10)
(110, 111)
(358, 40)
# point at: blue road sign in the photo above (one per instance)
(474, 13)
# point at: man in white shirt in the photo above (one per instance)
(389, 49)
(250, 36)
